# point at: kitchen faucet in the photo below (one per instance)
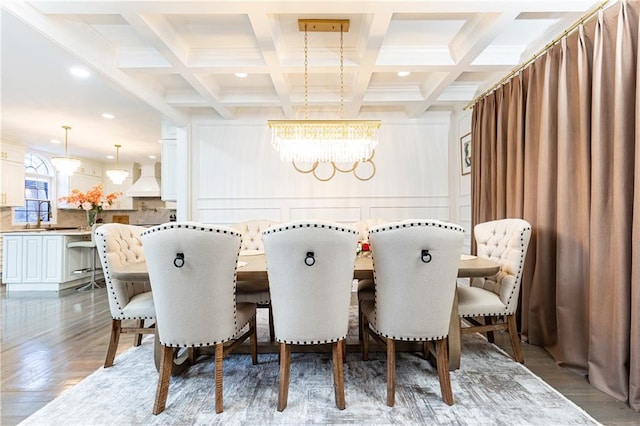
(39, 213)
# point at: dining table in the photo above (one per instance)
(252, 266)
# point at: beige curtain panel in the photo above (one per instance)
(559, 145)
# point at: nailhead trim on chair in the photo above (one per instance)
(190, 226)
(308, 225)
(407, 224)
(203, 344)
(407, 339)
(311, 342)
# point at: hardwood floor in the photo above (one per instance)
(51, 342)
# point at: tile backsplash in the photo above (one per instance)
(150, 211)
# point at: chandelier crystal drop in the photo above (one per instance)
(66, 165)
(335, 141)
(340, 141)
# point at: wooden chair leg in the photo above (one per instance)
(338, 373)
(488, 320)
(113, 342)
(442, 361)
(283, 381)
(391, 372)
(425, 349)
(137, 338)
(360, 319)
(166, 363)
(344, 350)
(365, 338)
(272, 333)
(218, 377)
(253, 340)
(515, 339)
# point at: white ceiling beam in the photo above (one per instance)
(267, 38)
(83, 43)
(372, 42)
(159, 32)
(464, 49)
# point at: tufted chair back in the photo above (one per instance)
(414, 288)
(192, 269)
(310, 302)
(504, 241)
(119, 245)
(251, 232)
(364, 226)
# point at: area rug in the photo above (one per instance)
(489, 389)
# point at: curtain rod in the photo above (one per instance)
(549, 45)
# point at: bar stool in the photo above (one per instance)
(91, 245)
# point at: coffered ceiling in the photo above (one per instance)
(151, 61)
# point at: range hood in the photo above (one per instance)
(147, 185)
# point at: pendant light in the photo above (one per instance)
(65, 165)
(117, 175)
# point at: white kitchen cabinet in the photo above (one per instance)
(11, 264)
(41, 261)
(11, 175)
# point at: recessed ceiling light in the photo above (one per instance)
(55, 141)
(110, 157)
(80, 72)
(159, 140)
(153, 157)
(241, 74)
(403, 73)
(108, 116)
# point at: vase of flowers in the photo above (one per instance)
(92, 202)
(363, 248)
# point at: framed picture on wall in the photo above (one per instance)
(465, 154)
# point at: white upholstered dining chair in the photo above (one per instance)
(310, 268)
(415, 264)
(495, 298)
(192, 270)
(119, 245)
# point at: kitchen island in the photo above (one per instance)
(40, 260)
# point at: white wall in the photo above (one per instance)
(237, 175)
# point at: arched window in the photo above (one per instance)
(38, 192)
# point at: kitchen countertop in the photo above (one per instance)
(74, 231)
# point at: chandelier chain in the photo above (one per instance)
(341, 73)
(66, 144)
(306, 73)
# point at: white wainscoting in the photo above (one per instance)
(237, 176)
(348, 210)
